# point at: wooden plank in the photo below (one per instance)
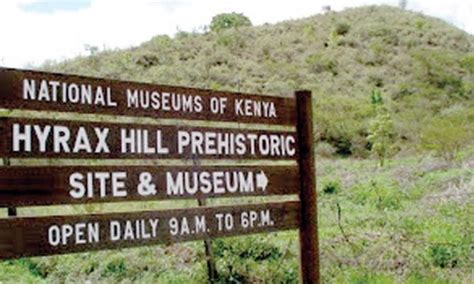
(32, 90)
(29, 186)
(40, 236)
(309, 247)
(11, 211)
(40, 138)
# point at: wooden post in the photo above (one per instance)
(309, 254)
(11, 210)
(211, 264)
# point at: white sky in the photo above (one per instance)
(32, 31)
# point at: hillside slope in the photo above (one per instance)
(422, 66)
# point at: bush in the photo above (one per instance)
(468, 63)
(448, 134)
(115, 268)
(443, 256)
(332, 187)
(342, 28)
(319, 63)
(384, 197)
(252, 259)
(229, 20)
(381, 136)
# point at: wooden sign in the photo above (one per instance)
(35, 185)
(28, 186)
(34, 90)
(35, 138)
(35, 236)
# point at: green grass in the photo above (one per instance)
(409, 222)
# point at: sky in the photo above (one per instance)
(32, 31)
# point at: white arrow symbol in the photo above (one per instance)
(262, 180)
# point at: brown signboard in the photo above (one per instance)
(67, 139)
(36, 236)
(32, 90)
(28, 186)
(37, 138)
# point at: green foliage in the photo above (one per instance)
(15, 272)
(446, 135)
(342, 28)
(332, 187)
(319, 63)
(376, 98)
(340, 56)
(444, 256)
(438, 68)
(382, 196)
(34, 268)
(229, 20)
(467, 62)
(238, 257)
(381, 129)
(420, 24)
(116, 267)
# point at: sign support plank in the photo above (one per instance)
(38, 186)
(41, 91)
(45, 138)
(40, 236)
(309, 215)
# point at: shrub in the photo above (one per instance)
(332, 187)
(439, 69)
(381, 129)
(147, 60)
(319, 63)
(447, 135)
(33, 267)
(443, 256)
(381, 136)
(468, 63)
(252, 260)
(229, 20)
(342, 28)
(382, 196)
(115, 268)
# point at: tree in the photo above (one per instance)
(448, 134)
(381, 129)
(229, 20)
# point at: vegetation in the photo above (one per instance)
(447, 134)
(409, 221)
(228, 20)
(417, 63)
(380, 129)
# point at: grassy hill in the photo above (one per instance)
(385, 79)
(423, 67)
